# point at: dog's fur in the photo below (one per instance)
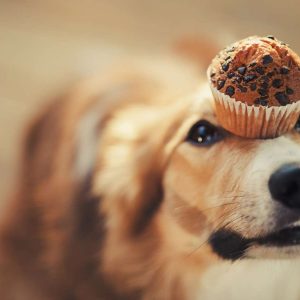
(114, 203)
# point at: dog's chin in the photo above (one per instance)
(284, 243)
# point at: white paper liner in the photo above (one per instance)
(254, 121)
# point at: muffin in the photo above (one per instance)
(256, 86)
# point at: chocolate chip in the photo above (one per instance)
(238, 79)
(253, 64)
(276, 83)
(212, 74)
(220, 84)
(230, 75)
(261, 101)
(282, 98)
(253, 86)
(228, 57)
(260, 70)
(289, 91)
(265, 79)
(242, 70)
(284, 70)
(267, 59)
(264, 85)
(230, 91)
(250, 77)
(262, 92)
(243, 89)
(225, 67)
(271, 37)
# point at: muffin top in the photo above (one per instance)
(258, 71)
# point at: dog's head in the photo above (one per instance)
(172, 177)
(242, 196)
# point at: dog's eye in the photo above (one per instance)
(297, 126)
(204, 133)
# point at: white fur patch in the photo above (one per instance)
(269, 156)
(87, 141)
(251, 279)
(88, 135)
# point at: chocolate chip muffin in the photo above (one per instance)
(251, 76)
(258, 70)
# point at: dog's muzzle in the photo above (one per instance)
(284, 187)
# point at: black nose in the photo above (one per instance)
(284, 185)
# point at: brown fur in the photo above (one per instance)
(136, 225)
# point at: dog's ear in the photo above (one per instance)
(129, 175)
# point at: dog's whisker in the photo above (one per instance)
(232, 222)
(208, 208)
(226, 216)
(197, 248)
(224, 222)
(207, 239)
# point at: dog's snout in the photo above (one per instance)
(284, 185)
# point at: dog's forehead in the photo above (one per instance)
(203, 105)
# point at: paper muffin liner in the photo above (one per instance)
(252, 121)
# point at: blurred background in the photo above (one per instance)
(46, 44)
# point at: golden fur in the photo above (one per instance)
(133, 221)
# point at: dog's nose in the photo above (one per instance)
(284, 185)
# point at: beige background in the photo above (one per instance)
(44, 44)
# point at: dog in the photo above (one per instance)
(130, 189)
